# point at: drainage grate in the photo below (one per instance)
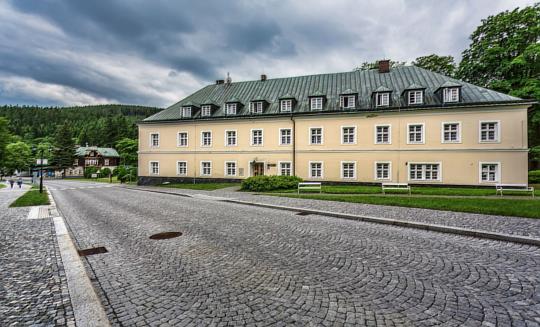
(92, 251)
(165, 235)
(303, 213)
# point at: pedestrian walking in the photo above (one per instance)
(11, 182)
(19, 182)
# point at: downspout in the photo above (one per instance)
(293, 145)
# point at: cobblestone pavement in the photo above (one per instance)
(33, 287)
(243, 265)
(499, 224)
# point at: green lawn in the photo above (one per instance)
(200, 186)
(99, 180)
(526, 207)
(2, 185)
(31, 198)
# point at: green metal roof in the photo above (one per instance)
(332, 85)
(105, 152)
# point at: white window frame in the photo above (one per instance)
(458, 132)
(281, 169)
(415, 97)
(322, 169)
(158, 139)
(348, 97)
(280, 136)
(204, 110)
(375, 177)
(202, 139)
(178, 143)
(354, 135)
(202, 170)
(151, 170)
(322, 135)
(497, 131)
(316, 103)
(439, 179)
(255, 106)
(423, 133)
(252, 138)
(185, 111)
(231, 109)
(178, 168)
(226, 171)
(384, 100)
(343, 171)
(226, 143)
(448, 94)
(389, 133)
(498, 172)
(285, 108)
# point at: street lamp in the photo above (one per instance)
(34, 149)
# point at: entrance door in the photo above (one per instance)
(258, 168)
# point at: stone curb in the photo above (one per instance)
(386, 221)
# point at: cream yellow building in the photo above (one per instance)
(406, 125)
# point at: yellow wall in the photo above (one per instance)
(459, 162)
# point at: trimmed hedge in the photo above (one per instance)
(534, 177)
(270, 183)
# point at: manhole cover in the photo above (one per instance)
(165, 235)
(91, 251)
(303, 213)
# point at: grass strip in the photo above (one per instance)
(31, 198)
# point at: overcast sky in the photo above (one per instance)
(156, 52)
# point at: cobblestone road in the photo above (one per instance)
(241, 265)
(33, 288)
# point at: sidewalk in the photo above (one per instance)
(34, 288)
(518, 226)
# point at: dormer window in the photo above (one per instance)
(347, 101)
(451, 94)
(186, 112)
(256, 107)
(316, 103)
(286, 105)
(230, 109)
(206, 111)
(416, 97)
(382, 99)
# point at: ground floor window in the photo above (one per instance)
(382, 170)
(230, 168)
(285, 168)
(489, 172)
(315, 169)
(424, 172)
(348, 170)
(154, 167)
(182, 168)
(206, 168)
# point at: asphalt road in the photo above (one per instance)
(243, 265)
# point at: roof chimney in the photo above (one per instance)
(228, 80)
(219, 81)
(263, 77)
(384, 66)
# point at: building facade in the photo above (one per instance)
(92, 156)
(405, 125)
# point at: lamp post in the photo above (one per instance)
(40, 151)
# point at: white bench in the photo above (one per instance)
(395, 186)
(309, 186)
(500, 188)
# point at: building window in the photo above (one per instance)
(489, 131)
(91, 162)
(256, 137)
(382, 170)
(451, 94)
(416, 134)
(230, 138)
(154, 167)
(206, 111)
(206, 168)
(347, 101)
(230, 168)
(181, 168)
(382, 99)
(256, 107)
(105, 162)
(186, 112)
(315, 170)
(206, 138)
(154, 140)
(489, 172)
(230, 109)
(316, 103)
(285, 136)
(315, 135)
(451, 133)
(424, 172)
(286, 105)
(348, 170)
(348, 135)
(183, 139)
(416, 97)
(382, 134)
(285, 168)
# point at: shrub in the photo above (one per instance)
(126, 174)
(88, 171)
(270, 183)
(104, 172)
(534, 177)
